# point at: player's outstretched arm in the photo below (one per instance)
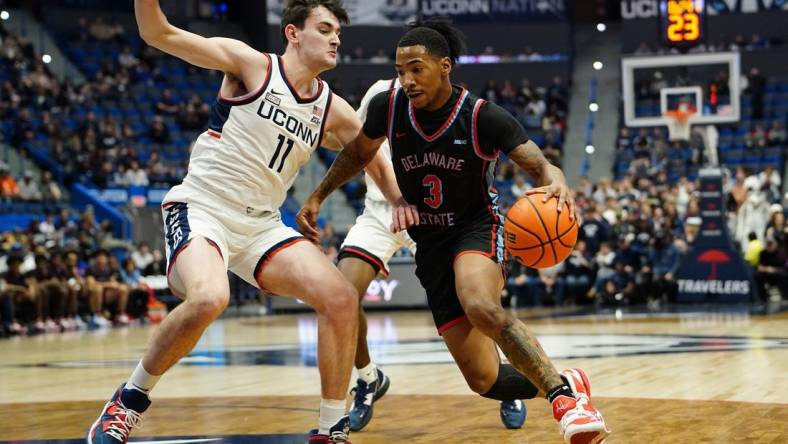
(222, 54)
(549, 178)
(358, 151)
(404, 215)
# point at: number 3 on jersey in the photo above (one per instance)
(436, 190)
(278, 150)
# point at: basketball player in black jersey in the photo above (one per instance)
(445, 143)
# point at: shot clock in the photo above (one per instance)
(682, 23)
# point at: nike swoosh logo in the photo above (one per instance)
(400, 135)
(275, 92)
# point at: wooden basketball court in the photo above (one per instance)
(693, 377)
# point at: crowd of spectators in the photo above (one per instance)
(93, 131)
(69, 272)
(636, 231)
(737, 43)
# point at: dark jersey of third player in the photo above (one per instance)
(445, 159)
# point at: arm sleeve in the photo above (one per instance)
(376, 122)
(499, 130)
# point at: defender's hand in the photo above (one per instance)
(307, 219)
(404, 216)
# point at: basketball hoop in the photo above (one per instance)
(679, 123)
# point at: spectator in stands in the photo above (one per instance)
(490, 92)
(756, 87)
(159, 265)
(770, 181)
(558, 94)
(28, 188)
(771, 274)
(166, 104)
(50, 190)
(50, 293)
(142, 256)
(604, 191)
(643, 49)
(47, 226)
(578, 272)
(776, 135)
(620, 287)
(100, 30)
(519, 187)
(691, 230)
(595, 230)
(380, 57)
(136, 176)
(138, 291)
(738, 192)
(534, 111)
(524, 93)
(758, 42)
(127, 59)
(752, 216)
(20, 288)
(756, 138)
(158, 131)
(189, 119)
(106, 288)
(664, 259)
(777, 229)
(9, 189)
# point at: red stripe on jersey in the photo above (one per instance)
(475, 132)
(446, 124)
(251, 96)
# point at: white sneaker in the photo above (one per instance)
(579, 421)
(101, 321)
(78, 323)
(122, 319)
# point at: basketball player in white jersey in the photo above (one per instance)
(271, 113)
(365, 253)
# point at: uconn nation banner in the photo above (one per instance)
(362, 12)
(639, 9)
(470, 11)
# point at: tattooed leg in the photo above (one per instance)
(478, 281)
(526, 354)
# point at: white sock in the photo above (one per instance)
(142, 380)
(331, 411)
(368, 374)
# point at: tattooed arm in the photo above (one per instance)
(549, 178)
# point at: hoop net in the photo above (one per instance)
(679, 122)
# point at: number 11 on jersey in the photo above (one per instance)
(281, 139)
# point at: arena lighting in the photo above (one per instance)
(590, 149)
(593, 107)
(598, 65)
(46, 58)
(601, 27)
(5, 15)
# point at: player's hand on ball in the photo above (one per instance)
(562, 192)
(307, 219)
(404, 216)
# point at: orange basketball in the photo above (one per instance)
(537, 234)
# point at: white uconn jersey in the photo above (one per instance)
(373, 192)
(256, 143)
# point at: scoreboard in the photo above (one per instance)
(682, 23)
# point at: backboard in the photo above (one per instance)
(654, 85)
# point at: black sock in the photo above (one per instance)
(563, 389)
(511, 385)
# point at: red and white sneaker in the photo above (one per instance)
(580, 422)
